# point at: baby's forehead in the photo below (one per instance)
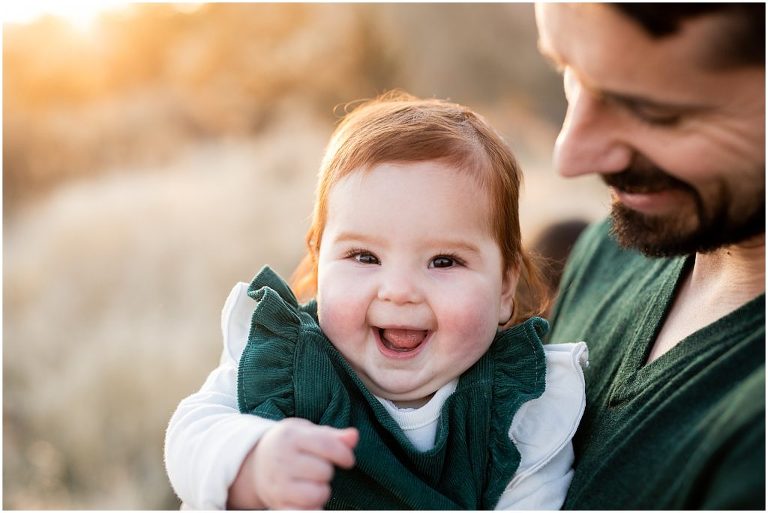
(475, 168)
(431, 177)
(411, 193)
(433, 171)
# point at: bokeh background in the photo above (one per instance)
(155, 154)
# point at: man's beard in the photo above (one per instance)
(714, 225)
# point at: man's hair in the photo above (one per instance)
(743, 44)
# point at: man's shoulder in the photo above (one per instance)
(745, 402)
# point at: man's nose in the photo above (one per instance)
(592, 139)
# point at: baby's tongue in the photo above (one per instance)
(402, 340)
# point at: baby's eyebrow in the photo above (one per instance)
(452, 244)
(357, 237)
(436, 244)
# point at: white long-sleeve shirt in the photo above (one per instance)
(208, 438)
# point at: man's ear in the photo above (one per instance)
(508, 290)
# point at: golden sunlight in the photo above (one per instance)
(79, 14)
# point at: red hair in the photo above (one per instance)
(398, 127)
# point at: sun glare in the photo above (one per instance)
(79, 14)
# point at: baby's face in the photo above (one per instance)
(410, 282)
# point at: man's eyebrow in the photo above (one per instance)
(630, 101)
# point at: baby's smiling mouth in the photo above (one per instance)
(402, 340)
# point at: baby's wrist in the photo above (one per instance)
(243, 493)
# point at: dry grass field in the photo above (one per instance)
(151, 163)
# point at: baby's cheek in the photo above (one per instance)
(338, 314)
(473, 322)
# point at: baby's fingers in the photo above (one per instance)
(333, 445)
(308, 495)
(311, 467)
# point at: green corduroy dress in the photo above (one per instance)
(289, 368)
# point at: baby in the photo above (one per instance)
(414, 379)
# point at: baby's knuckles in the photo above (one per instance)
(308, 495)
(271, 458)
(290, 471)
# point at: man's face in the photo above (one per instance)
(679, 142)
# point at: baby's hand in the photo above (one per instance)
(292, 465)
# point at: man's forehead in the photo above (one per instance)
(603, 29)
(590, 29)
(609, 52)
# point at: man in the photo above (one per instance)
(667, 105)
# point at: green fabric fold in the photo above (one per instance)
(290, 368)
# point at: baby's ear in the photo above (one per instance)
(508, 289)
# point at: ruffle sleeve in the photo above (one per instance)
(235, 323)
(518, 378)
(265, 373)
(543, 427)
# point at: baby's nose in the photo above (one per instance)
(399, 288)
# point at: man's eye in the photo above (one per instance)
(654, 115)
(443, 261)
(658, 119)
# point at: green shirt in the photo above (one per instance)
(289, 368)
(686, 431)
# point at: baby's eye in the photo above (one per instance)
(443, 261)
(366, 258)
(363, 257)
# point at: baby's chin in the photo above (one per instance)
(412, 403)
(403, 395)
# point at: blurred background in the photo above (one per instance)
(155, 154)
